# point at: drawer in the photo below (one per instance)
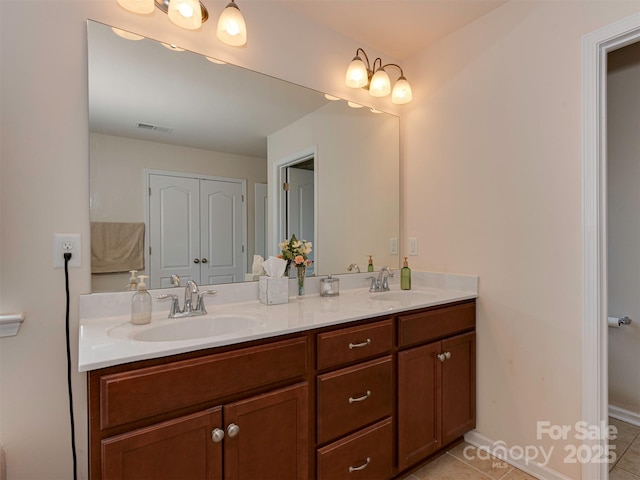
(143, 393)
(432, 324)
(367, 454)
(353, 397)
(355, 343)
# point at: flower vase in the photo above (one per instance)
(301, 272)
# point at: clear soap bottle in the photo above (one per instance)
(141, 304)
(405, 276)
(370, 266)
(133, 281)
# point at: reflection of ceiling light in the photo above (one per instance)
(231, 27)
(126, 35)
(173, 47)
(354, 105)
(331, 97)
(376, 79)
(191, 14)
(373, 110)
(216, 61)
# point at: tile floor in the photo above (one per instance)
(455, 465)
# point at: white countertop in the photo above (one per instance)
(106, 332)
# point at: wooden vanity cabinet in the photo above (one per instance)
(436, 381)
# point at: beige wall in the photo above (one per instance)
(116, 178)
(358, 182)
(492, 186)
(623, 217)
(45, 189)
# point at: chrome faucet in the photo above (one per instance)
(353, 266)
(381, 284)
(193, 301)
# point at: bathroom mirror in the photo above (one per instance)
(155, 110)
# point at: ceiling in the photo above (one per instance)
(398, 28)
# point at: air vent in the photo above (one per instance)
(157, 128)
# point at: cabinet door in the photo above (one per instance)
(179, 448)
(458, 386)
(272, 436)
(419, 403)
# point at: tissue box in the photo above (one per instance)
(274, 291)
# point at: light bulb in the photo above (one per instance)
(401, 92)
(380, 84)
(232, 29)
(142, 7)
(357, 75)
(185, 13)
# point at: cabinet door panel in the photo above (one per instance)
(273, 438)
(458, 386)
(179, 448)
(419, 403)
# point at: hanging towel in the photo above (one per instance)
(117, 247)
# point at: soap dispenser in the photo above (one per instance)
(405, 276)
(141, 304)
(133, 281)
(370, 266)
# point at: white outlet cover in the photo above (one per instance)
(393, 246)
(67, 242)
(413, 246)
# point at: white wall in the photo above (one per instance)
(492, 186)
(353, 188)
(116, 179)
(45, 188)
(623, 217)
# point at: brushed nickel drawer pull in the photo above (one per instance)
(360, 399)
(360, 467)
(359, 345)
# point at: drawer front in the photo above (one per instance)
(353, 397)
(427, 326)
(356, 343)
(129, 396)
(367, 454)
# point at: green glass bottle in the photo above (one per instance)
(370, 266)
(405, 276)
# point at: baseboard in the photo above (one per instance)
(624, 415)
(539, 471)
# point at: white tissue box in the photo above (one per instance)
(274, 291)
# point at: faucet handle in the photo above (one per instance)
(175, 306)
(200, 304)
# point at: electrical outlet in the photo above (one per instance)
(66, 243)
(393, 246)
(413, 246)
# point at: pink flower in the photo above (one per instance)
(299, 259)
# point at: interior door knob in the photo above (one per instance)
(204, 260)
(196, 260)
(233, 430)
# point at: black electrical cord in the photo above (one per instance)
(67, 257)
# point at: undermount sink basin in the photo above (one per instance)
(196, 327)
(402, 296)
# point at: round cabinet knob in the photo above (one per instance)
(447, 355)
(204, 260)
(441, 357)
(233, 430)
(217, 434)
(196, 260)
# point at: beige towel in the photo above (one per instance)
(117, 247)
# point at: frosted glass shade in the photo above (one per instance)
(380, 84)
(231, 27)
(357, 75)
(185, 13)
(401, 93)
(137, 6)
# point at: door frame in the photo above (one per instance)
(147, 185)
(276, 198)
(595, 403)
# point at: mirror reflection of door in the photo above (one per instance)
(195, 230)
(299, 198)
(261, 214)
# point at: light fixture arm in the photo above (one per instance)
(394, 65)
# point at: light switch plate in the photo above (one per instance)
(413, 246)
(393, 246)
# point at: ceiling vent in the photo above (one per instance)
(156, 128)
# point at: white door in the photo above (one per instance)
(300, 205)
(261, 209)
(174, 229)
(221, 232)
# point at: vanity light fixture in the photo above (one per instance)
(191, 14)
(376, 79)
